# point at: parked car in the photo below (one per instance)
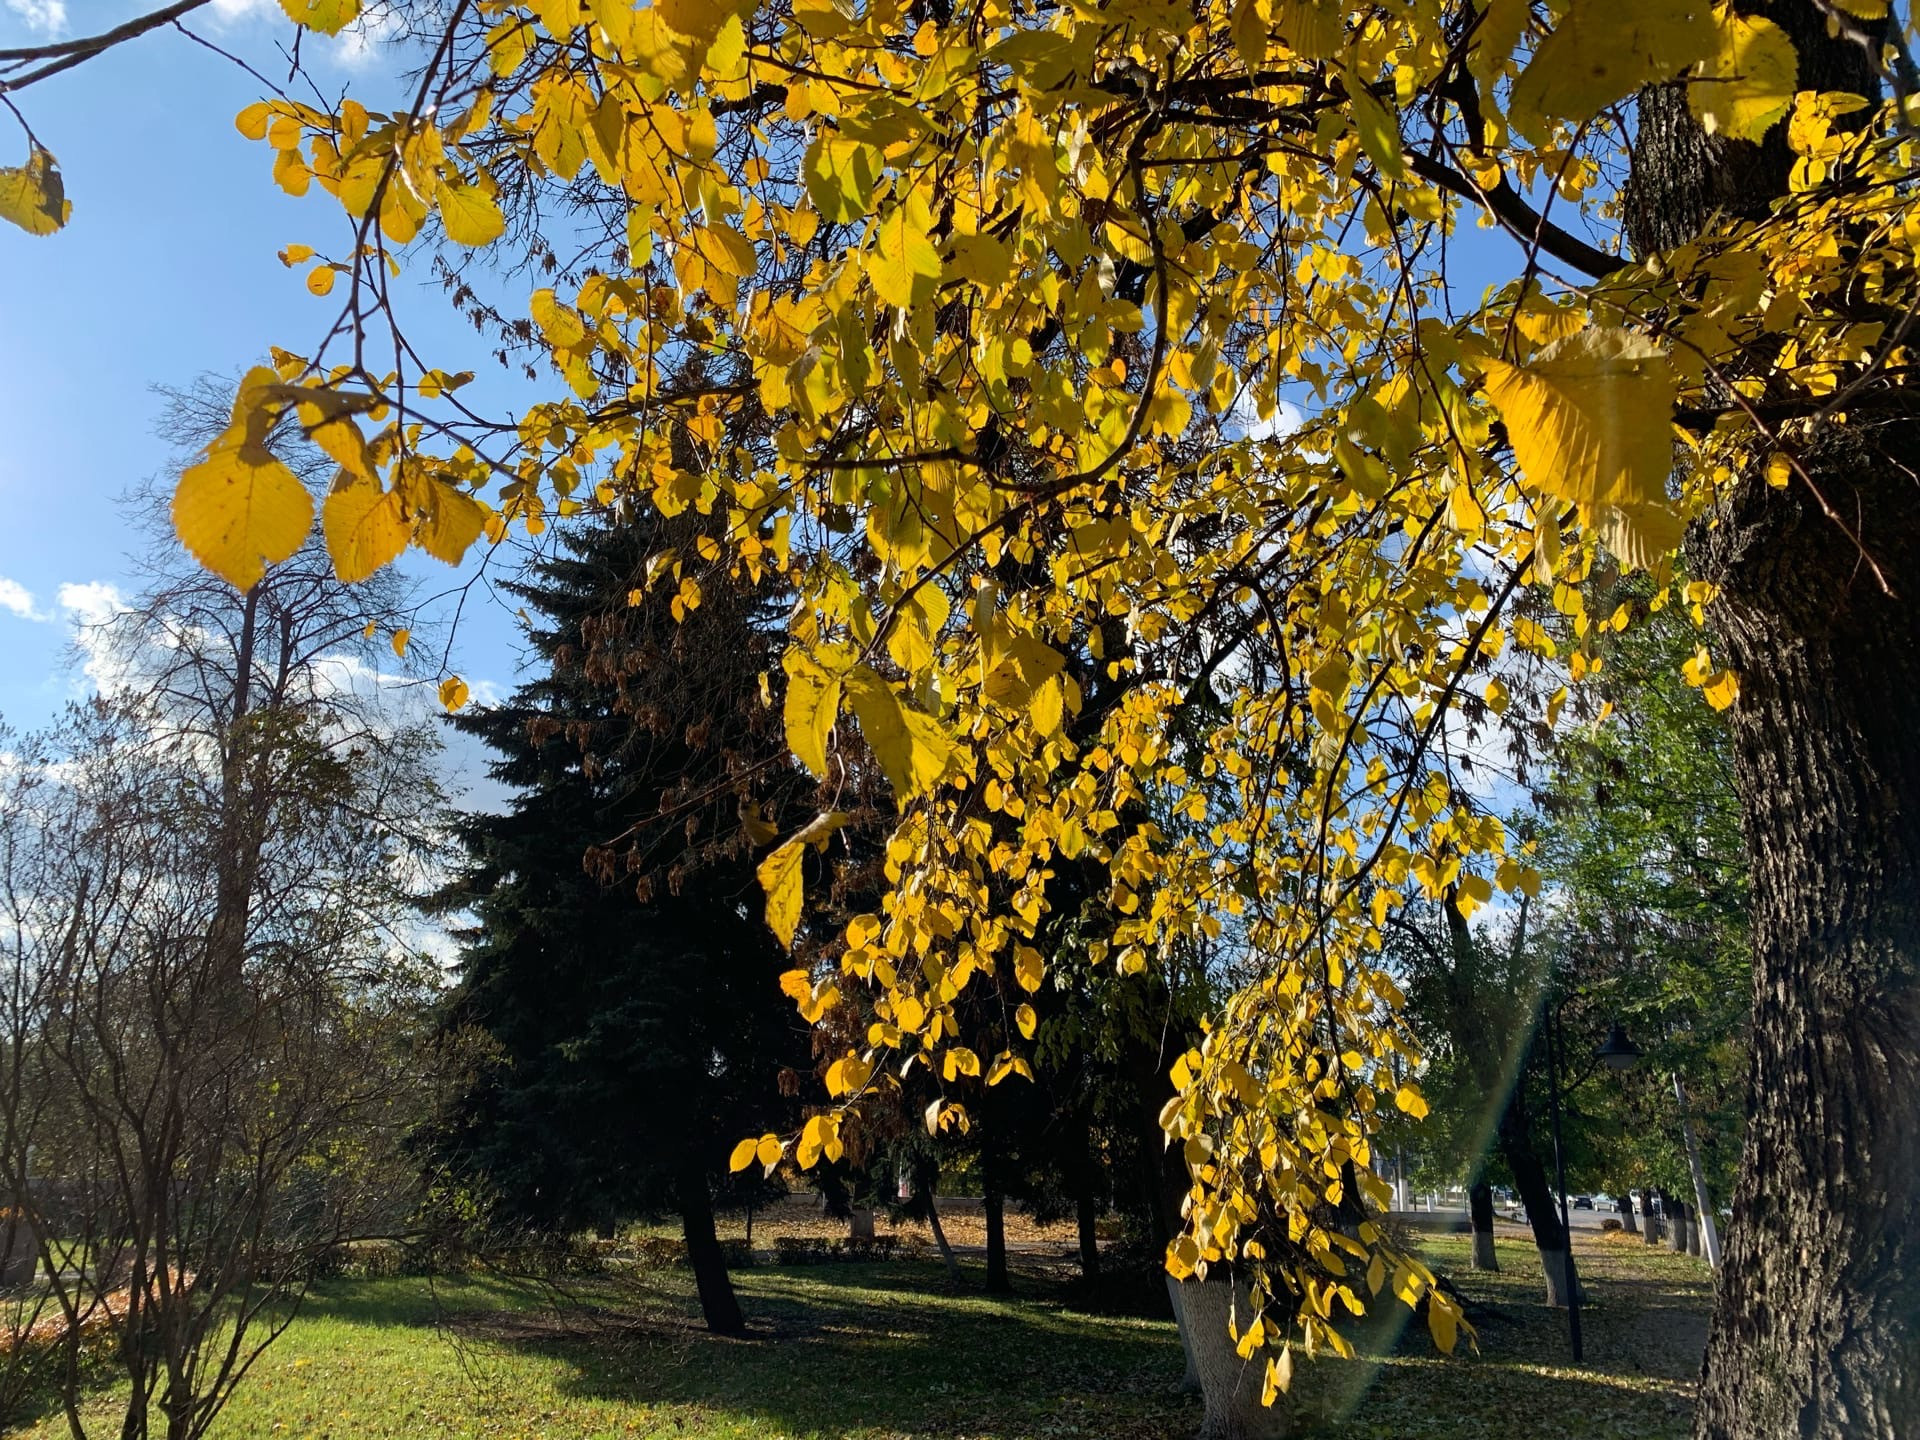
(1604, 1201)
(1583, 1202)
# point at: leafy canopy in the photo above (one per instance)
(1006, 310)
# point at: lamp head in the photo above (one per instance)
(1617, 1051)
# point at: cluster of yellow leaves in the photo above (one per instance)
(1091, 375)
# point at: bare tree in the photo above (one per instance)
(210, 994)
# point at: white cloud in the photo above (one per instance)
(45, 17)
(17, 599)
(359, 46)
(88, 607)
(230, 10)
(92, 602)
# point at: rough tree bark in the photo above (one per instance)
(1627, 1221)
(1232, 1385)
(1816, 1328)
(1650, 1223)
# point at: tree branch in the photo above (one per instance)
(65, 54)
(1510, 207)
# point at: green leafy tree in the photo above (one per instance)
(1641, 837)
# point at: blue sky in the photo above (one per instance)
(168, 269)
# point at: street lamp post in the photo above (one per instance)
(1571, 1274)
(1617, 1053)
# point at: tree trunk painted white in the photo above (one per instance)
(1709, 1233)
(940, 1239)
(1231, 1386)
(1554, 1263)
(1484, 1256)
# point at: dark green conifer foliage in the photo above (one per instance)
(619, 987)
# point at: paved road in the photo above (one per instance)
(1580, 1219)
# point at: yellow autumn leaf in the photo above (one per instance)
(1601, 52)
(240, 509)
(1590, 422)
(399, 642)
(1313, 29)
(698, 20)
(1047, 710)
(727, 249)
(471, 216)
(1411, 1101)
(744, 1154)
(1028, 967)
(1378, 129)
(910, 745)
(1442, 1322)
(561, 324)
(840, 177)
(905, 263)
(454, 694)
(366, 529)
(812, 706)
(1026, 1020)
(33, 196)
(780, 878)
(453, 521)
(769, 1151)
(1748, 84)
(329, 17)
(252, 121)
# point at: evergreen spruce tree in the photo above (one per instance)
(619, 985)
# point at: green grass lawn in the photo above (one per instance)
(889, 1352)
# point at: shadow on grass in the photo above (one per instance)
(892, 1350)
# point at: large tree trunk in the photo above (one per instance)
(940, 1240)
(1232, 1386)
(1161, 1176)
(995, 1205)
(1628, 1223)
(717, 1301)
(1480, 1211)
(1088, 1215)
(1677, 1218)
(1816, 1327)
(1543, 1214)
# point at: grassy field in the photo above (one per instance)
(889, 1352)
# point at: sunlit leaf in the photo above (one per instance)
(33, 196)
